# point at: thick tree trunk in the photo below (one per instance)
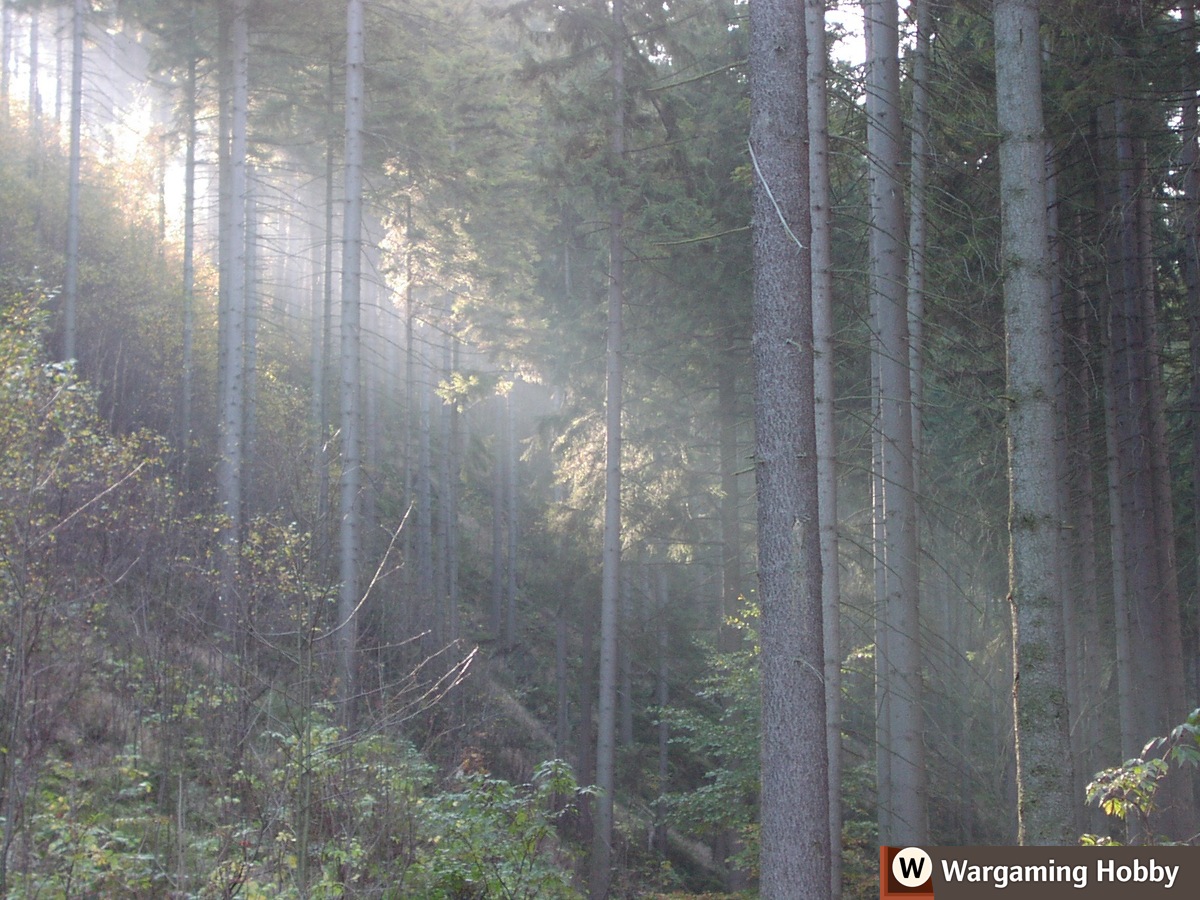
(1039, 692)
(795, 774)
(908, 814)
(1190, 159)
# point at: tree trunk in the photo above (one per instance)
(600, 864)
(35, 94)
(250, 357)
(189, 255)
(6, 31)
(1039, 679)
(795, 774)
(729, 638)
(909, 817)
(511, 521)
(499, 556)
(71, 278)
(233, 266)
(351, 480)
(826, 434)
(662, 696)
(1190, 159)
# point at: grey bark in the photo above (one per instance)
(600, 863)
(823, 363)
(512, 524)
(499, 556)
(233, 266)
(1039, 690)
(71, 278)
(6, 30)
(795, 838)
(189, 248)
(729, 638)
(1191, 193)
(350, 486)
(902, 640)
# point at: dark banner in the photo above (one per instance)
(1039, 873)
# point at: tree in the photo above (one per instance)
(1039, 687)
(902, 747)
(233, 315)
(351, 481)
(600, 873)
(823, 381)
(795, 794)
(71, 281)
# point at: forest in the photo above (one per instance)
(592, 448)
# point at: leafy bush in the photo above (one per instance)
(1130, 791)
(494, 839)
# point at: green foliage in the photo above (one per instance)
(494, 839)
(94, 834)
(725, 737)
(1130, 791)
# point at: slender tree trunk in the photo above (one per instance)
(1039, 692)
(424, 475)
(909, 817)
(625, 651)
(451, 491)
(232, 421)
(562, 727)
(189, 253)
(662, 696)
(795, 774)
(728, 638)
(71, 279)
(350, 487)
(322, 377)
(499, 556)
(6, 30)
(600, 864)
(62, 17)
(250, 356)
(1080, 396)
(35, 94)
(826, 435)
(884, 795)
(512, 524)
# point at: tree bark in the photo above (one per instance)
(350, 487)
(1190, 159)
(71, 278)
(795, 774)
(233, 265)
(1039, 686)
(906, 748)
(600, 864)
(189, 252)
(826, 435)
